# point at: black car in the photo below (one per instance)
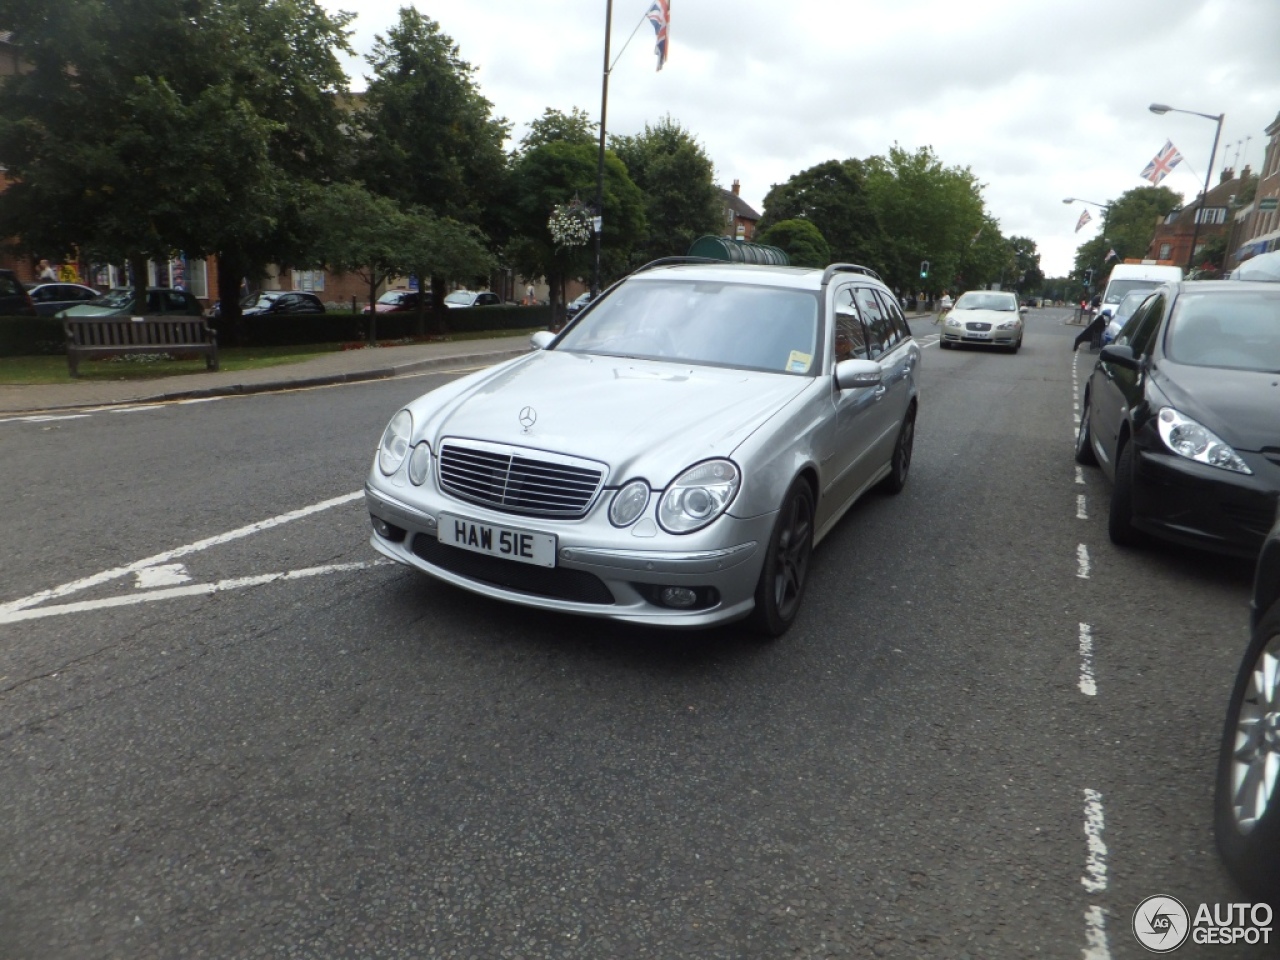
(1182, 413)
(14, 299)
(276, 302)
(1247, 802)
(49, 298)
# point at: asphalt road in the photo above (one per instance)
(991, 734)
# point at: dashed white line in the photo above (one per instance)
(1082, 562)
(1088, 686)
(1095, 868)
(174, 554)
(1080, 475)
(1082, 507)
(1095, 935)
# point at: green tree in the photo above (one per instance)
(430, 138)
(148, 126)
(1030, 276)
(833, 196)
(555, 174)
(801, 240)
(1128, 224)
(677, 180)
(557, 127)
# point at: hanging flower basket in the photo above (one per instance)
(570, 224)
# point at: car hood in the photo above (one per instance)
(994, 317)
(643, 418)
(88, 310)
(1240, 406)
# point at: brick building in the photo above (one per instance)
(1257, 223)
(738, 214)
(1215, 216)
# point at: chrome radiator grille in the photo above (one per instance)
(517, 480)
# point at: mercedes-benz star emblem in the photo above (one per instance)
(528, 417)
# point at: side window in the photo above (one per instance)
(174, 301)
(894, 313)
(880, 333)
(851, 339)
(1144, 330)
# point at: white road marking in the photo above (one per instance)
(194, 590)
(108, 575)
(168, 575)
(45, 418)
(1095, 935)
(1082, 512)
(1080, 475)
(1087, 684)
(1082, 562)
(1095, 878)
(142, 406)
(183, 403)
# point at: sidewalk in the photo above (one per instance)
(344, 366)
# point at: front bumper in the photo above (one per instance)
(600, 570)
(985, 338)
(1202, 506)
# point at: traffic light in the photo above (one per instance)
(924, 269)
(1088, 277)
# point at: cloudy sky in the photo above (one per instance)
(1042, 99)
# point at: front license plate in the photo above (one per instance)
(978, 335)
(523, 546)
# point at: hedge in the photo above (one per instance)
(31, 336)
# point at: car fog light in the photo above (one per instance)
(680, 597)
(386, 530)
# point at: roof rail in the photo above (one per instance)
(673, 261)
(835, 268)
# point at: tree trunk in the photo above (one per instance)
(439, 312)
(230, 319)
(373, 308)
(138, 267)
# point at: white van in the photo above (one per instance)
(1128, 277)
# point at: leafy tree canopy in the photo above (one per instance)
(833, 196)
(1127, 227)
(555, 126)
(800, 240)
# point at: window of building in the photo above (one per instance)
(1165, 250)
(312, 280)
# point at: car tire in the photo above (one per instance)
(786, 564)
(1084, 438)
(900, 465)
(1120, 520)
(1252, 853)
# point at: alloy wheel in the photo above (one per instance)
(1256, 759)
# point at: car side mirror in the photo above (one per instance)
(1022, 309)
(854, 374)
(542, 339)
(1121, 356)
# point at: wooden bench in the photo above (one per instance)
(102, 336)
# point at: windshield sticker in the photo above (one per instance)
(799, 362)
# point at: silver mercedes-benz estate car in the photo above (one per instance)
(670, 458)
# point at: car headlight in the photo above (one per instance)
(1189, 439)
(953, 322)
(420, 464)
(629, 503)
(1009, 325)
(395, 442)
(698, 496)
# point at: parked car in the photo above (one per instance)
(14, 299)
(577, 304)
(49, 298)
(118, 302)
(277, 302)
(398, 301)
(988, 318)
(670, 458)
(1247, 803)
(1182, 413)
(1120, 316)
(1264, 267)
(462, 299)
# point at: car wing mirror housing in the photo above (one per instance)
(542, 339)
(1121, 356)
(1022, 309)
(854, 374)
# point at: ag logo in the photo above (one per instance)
(1161, 924)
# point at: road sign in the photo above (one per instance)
(1268, 203)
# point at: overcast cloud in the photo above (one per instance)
(1042, 99)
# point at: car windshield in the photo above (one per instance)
(1117, 290)
(720, 324)
(459, 296)
(120, 297)
(987, 301)
(262, 300)
(1240, 331)
(1131, 303)
(394, 296)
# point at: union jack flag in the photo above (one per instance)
(1084, 218)
(660, 16)
(1164, 162)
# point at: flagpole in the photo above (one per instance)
(604, 111)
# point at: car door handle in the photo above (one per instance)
(880, 392)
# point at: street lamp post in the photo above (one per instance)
(598, 219)
(1160, 108)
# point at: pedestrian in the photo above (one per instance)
(528, 296)
(45, 272)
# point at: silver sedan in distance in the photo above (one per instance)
(670, 458)
(984, 318)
